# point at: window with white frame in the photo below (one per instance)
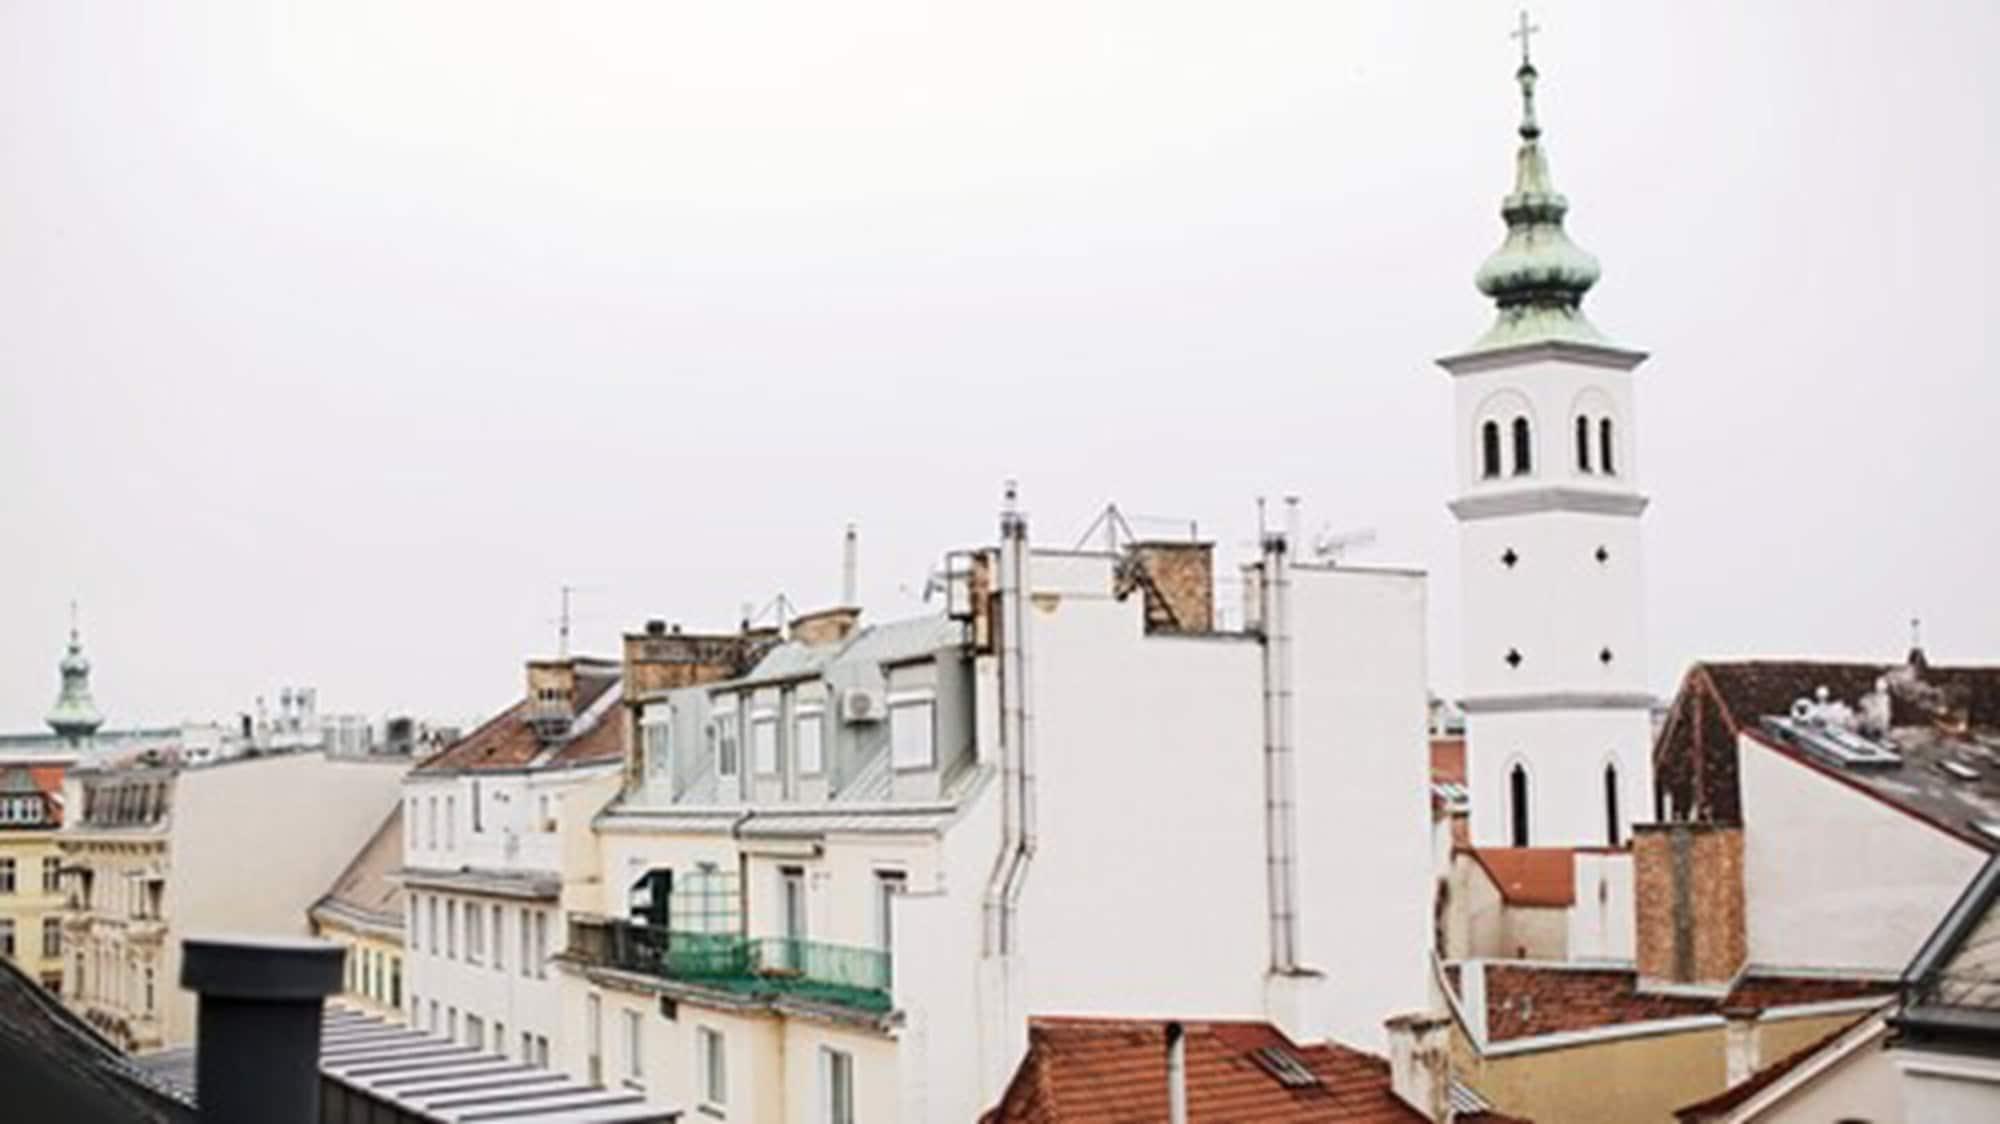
(527, 945)
(593, 1015)
(499, 1038)
(722, 732)
(431, 822)
(711, 1067)
(51, 875)
(836, 1086)
(764, 743)
(499, 942)
(541, 944)
(888, 886)
(475, 1031)
(6, 876)
(811, 726)
(450, 821)
(431, 923)
(635, 1048)
(913, 733)
(451, 931)
(475, 933)
(657, 740)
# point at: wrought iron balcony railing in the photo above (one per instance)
(768, 967)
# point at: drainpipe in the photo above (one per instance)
(1024, 729)
(258, 1027)
(1274, 604)
(1004, 861)
(1176, 1073)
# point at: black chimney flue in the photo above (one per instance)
(257, 1054)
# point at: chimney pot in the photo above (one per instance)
(259, 1024)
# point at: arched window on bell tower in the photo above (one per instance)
(1604, 447)
(1517, 805)
(1524, 453)
(1489, 449)
(1611, 823)
(1582, 443)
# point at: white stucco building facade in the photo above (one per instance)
(906, 891)
(481, 872)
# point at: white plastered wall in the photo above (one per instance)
(1833, 876)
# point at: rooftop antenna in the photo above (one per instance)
(1916, 632)
(566, 620)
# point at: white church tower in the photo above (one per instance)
(1558, 728)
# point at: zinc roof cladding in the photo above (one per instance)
(1720, 1104)
(1530, 876)
(1113, 1071)
(1529, 1000)
(58, 1067)
(1953, 983)
(1696, 754)
(506, 741)
(366, 886)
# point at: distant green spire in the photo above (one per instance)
(1538, 276)
(74, 718)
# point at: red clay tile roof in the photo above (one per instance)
(506, 741)
(1525, 1000)
(1757, 1082)
(1114, 1071)
(1536, 876)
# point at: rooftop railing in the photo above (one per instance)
(756, 967)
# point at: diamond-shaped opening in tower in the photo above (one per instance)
(1508, 559)
(1603, 555)
(1513, 657)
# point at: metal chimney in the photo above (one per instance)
(257, 1058)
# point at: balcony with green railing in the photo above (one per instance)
(766, 968)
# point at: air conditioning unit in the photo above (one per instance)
(862, 704)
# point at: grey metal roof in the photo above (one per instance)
(902, 640)
(440, 1080)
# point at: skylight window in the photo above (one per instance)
(1286, 1067)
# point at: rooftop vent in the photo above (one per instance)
(1959, 770)
(1286, 1067)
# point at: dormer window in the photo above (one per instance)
(913, 732)
(722, 734)
(656, 734)
(764, 743)
(806, 741)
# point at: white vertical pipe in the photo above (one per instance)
(1176, 1074)
(995, 902)
(849, 566)
(1024, 727)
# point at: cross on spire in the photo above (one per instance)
(1525, 32)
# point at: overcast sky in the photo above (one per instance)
(334, 341)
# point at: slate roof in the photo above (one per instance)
(1113, 1071)
(1528, 1000)
(364, 893)
(1736, 1095)
(1530, 876)
(1936, 715)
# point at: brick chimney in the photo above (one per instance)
(1688, 891)
(663, 657)
(826, 626)
(551, 697)
(1178, 580)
